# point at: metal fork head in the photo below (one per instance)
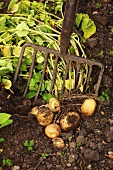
(79, 73)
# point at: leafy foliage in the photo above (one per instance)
(4, 119)
(29, 144)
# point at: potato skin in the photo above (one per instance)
(44, 116)
(53, 130)
(54, 105)
(88, 107)
(70, 121)
(58, 142)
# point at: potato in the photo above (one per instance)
(35, 110)
(54, 105)
(70, 121)
(58, 142)
(88, 107)
(44, 116)
(53, 130)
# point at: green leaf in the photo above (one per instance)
(39, 40)
(8, 122)
(31, 23)
(11, 4)
(31, 143)
(22, 29)
(31, 94)
(3, 63)
(37, 76)
(1, 139)
(78, 19)
(85, 23)
(47, 97)
(90, 29)
(4, 117)
(32, 82)
(26, 143)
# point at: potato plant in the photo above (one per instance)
(37, 22)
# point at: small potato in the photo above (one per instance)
(44, 116)
(54, 105)
(53, 130)
(88, 107)
(35, 110)
(70, 121)
(58, 143)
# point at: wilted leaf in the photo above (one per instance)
(89, 30)
(16, 51)
(6, 51)
(7, 83)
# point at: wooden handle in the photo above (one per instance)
(67, 28)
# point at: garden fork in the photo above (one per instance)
(67, 29)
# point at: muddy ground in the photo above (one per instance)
(90, 147)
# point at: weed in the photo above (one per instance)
(7, 162)
(111, 52)
(100, 53)
(29, 144)
(99, 5)
(105, 95)
(63, 154)
(78, 145)
(2, 139)
(44, 155)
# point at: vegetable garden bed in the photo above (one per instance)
(23, 143)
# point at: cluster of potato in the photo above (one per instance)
(69, 121)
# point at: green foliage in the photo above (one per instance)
(29, 144)
(7, 162)
(63, 154)
(105, 95)
(2, 139)
(37, 22)
(87, 25)
(99, 5)
(100, 53)
(44, 155)
(4, 120)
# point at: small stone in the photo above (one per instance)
(49, 166)
(68, 164)
(15, 167)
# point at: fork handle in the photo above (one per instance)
(68, 23)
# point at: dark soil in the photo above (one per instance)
(90, 147)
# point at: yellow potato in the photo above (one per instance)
(58, 142)
(53, 130)
(54, 105)
(70, 121)
(88, 107)
(44, 116)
